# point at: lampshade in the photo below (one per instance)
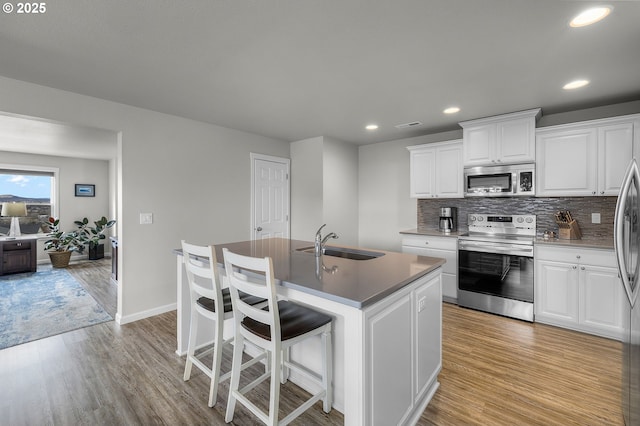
(14, 209)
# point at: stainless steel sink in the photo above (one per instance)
(346, 253)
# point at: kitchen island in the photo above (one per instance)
(387, 324)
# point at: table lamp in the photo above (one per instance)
(14, 210)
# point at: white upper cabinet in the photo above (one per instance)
(504, 139)
(583, 159)
(436, 170)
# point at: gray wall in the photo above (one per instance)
(385, 207)
(194, 177)
(306, 188)
(340, 190)
(324, 189)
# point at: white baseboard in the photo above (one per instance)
(126, 319)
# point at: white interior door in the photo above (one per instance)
(269, 197)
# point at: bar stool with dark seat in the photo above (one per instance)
(274, 328)
(211, 301)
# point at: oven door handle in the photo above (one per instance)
(512, 249)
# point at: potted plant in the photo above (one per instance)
(61, 244)
(93, 235)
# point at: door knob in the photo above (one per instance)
(259, 228)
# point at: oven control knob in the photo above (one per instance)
(480, 218)
(520, 220)
(472, 218)
(529, 220)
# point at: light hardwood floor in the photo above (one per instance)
(496, 371)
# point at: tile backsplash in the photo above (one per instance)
(544, 209)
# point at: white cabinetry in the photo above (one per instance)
(578, 289)
(403, 353)
(436, 170)
(582, 159)
(443, 247)
(503, 139)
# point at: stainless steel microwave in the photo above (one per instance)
(500, 181)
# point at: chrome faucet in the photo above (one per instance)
(320, 242)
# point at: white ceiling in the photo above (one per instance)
(293, 69)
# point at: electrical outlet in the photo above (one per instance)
(422, 303)
(595, 217)
(146, 218)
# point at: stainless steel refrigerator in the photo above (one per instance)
(627, 245)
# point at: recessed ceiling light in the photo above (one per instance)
(451, 110)
(371, 127)
(590, 16)
(575, 84)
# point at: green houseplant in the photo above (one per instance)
(61, 244)
(93, 235)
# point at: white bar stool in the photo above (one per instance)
(211, 301)
(277, 329)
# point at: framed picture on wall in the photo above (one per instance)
(85, 190)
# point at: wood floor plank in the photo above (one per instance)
(496, 371)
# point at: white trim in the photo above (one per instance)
(286, 161)
(145, 314)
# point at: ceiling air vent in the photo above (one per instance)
(407, 125)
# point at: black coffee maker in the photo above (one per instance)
(448, 219)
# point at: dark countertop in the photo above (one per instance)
(583, 243)
(602, 243)
(433, 232)
(356, 283)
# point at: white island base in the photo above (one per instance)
(387, 355)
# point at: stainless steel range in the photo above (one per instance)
(495, 265)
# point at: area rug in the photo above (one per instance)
(42, 304)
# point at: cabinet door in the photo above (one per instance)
(615, 150)
(601, 301)
(567, 163)
(479, 145)
(449, 269)
(556, 293)
(448, 172)
(516, 141)
(389, 366)
(422, 173)
(427, 331)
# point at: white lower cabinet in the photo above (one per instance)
(403, 353)
(578, 289)
(444, 247)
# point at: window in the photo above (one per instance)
(33, 185)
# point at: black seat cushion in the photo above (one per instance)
(208, 304)
(295, 320)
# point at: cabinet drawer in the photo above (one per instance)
(16, 245)
(586, 256)
(450, 267)
(441, 243)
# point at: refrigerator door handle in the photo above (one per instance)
(623, 232)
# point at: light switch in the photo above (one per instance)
(146, 218)
(595, 217)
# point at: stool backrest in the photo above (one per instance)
(201, 267)
(254, 276)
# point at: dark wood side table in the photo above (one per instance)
(18, 255)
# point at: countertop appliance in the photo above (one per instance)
(448, 219)
(627, 246)
(500, 181)
(495, 265)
